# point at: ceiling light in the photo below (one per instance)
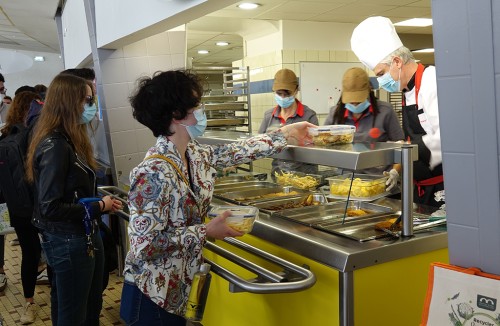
(39, 58)
(416, 22)
(248, 5)
(429, 50)
(222, 43)
(203, 51)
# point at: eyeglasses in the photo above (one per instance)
(90, 99)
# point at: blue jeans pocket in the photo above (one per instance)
(130, 305)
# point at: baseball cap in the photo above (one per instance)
(374, 39)
(285, 79)
(355, 85)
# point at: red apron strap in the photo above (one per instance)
(427, 182)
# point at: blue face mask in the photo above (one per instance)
(358, 108)
(88, 114)
(388, 83)
(284, 102)
(197, 129)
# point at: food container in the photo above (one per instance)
(242, 217)
(332, 134)
(278, 204)
(364, 186)
(245, 196)
(298, 179)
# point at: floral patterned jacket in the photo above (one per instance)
(166, 233)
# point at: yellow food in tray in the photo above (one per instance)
(291, 179)
(360, 188)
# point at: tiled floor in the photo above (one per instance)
(12, 301)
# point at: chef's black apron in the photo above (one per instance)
(426, 181)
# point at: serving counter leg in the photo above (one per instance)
(346, 298)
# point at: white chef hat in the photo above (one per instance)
(374, 39)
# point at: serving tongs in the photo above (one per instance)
(433, 222)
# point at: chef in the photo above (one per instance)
(377, 45)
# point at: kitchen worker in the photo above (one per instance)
(377, 45)
(287, 111)
(374, 120)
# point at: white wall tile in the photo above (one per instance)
(177, 41)
(341, 56)
(125, 163)
(137, 49)
(120, 119)
(158, 44)
(300, 55)
(178, 61)
(124, 142)
(136, 67)
(116, 95)
(312, 55)
(324, 55)
(288, 56)
(113, 71)
(145, 139)
(160, 63)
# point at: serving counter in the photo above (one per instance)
(377, 282)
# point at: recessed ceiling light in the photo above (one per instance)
(429, 50)
(248, 5)
(203, 51)
(39, 58)
(416, 22)
(222, 43)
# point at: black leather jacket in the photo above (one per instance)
(61, 179)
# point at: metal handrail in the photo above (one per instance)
(296, 278)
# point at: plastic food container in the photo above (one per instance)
(363, 185)
(298, 179)
(333, 134)
(242, 217)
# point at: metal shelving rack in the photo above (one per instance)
(228, 108)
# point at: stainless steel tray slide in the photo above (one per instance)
(258, 195)
(242, 186)
(363, 228)
(239, 177)
(278, 204)
(331, 213)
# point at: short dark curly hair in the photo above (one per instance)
(167, 95)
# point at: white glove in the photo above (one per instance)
(393, 179)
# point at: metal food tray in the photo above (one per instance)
(271, 206)
(238, 177)
(241, 186)
(331, 212)
(244, 197)
(363, 229)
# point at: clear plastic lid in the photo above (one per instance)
(236, 211)
(332, 129)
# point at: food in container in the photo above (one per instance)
(363, 186)
(297, 180)
(332, 134)
(242, 217)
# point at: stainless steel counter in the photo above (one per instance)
(340, 253)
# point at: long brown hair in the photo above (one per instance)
(18, 110)
(62, 111)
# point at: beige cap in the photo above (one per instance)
(355, 86)
(374, 39)
(285, 79)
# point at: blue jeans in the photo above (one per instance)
(138, 310)
(76, 293)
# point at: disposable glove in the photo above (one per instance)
(393, 179)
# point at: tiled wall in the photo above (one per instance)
(129, 139)
(263, 67)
